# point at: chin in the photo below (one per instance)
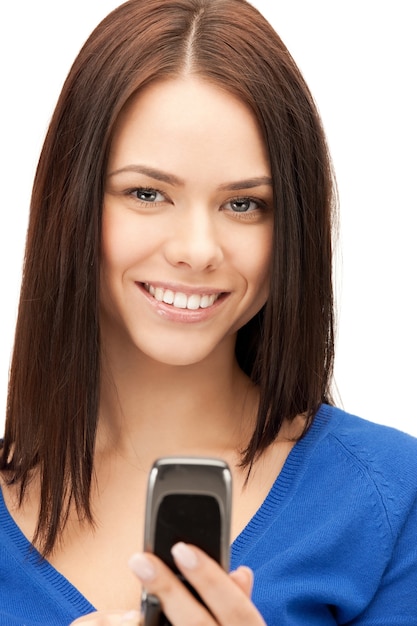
(178, 359)
(189, 352)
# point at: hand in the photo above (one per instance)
(226, 595)
(109, 618)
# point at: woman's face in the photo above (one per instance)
(187, 222)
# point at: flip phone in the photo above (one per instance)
(188, 499)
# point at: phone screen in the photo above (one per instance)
(192, 518)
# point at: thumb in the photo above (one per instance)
(243, 577)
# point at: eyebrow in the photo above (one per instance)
(249, 183)
(151, 172)
(171, 179)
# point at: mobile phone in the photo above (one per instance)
(188, 499)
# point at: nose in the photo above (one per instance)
(195, 240)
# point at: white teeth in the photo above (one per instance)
(159, 294)
(207, 301)
(181, 300)
(194, 302)
(168, 296)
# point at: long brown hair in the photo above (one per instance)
(287, 348)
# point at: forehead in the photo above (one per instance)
(189, 119)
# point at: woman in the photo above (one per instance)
(177, 299)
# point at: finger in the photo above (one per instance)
(100, 619)
(132, 618)
(177, 602)
(227, 598)
(243, 577)
(109, 618)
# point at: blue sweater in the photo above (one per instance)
(335, 541)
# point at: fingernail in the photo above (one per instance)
(184, 555)
(132, 617)
(142, 567)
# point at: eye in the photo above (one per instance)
(244, 205)
(147, 195)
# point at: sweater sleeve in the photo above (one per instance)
(395, 601)
(336, 540)
(392, 467)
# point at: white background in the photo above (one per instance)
(359, 58)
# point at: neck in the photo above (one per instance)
(152, 409)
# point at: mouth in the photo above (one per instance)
(180, 300)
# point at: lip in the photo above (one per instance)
(187, 289)
(171, 313)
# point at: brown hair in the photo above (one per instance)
(287, 348)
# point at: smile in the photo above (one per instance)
(181, 300)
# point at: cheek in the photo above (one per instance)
(255, 267)
(124, 241)
(118, 241)
(258, 255)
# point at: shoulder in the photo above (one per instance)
(373, 445)
(377, 462)
(342, 517)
